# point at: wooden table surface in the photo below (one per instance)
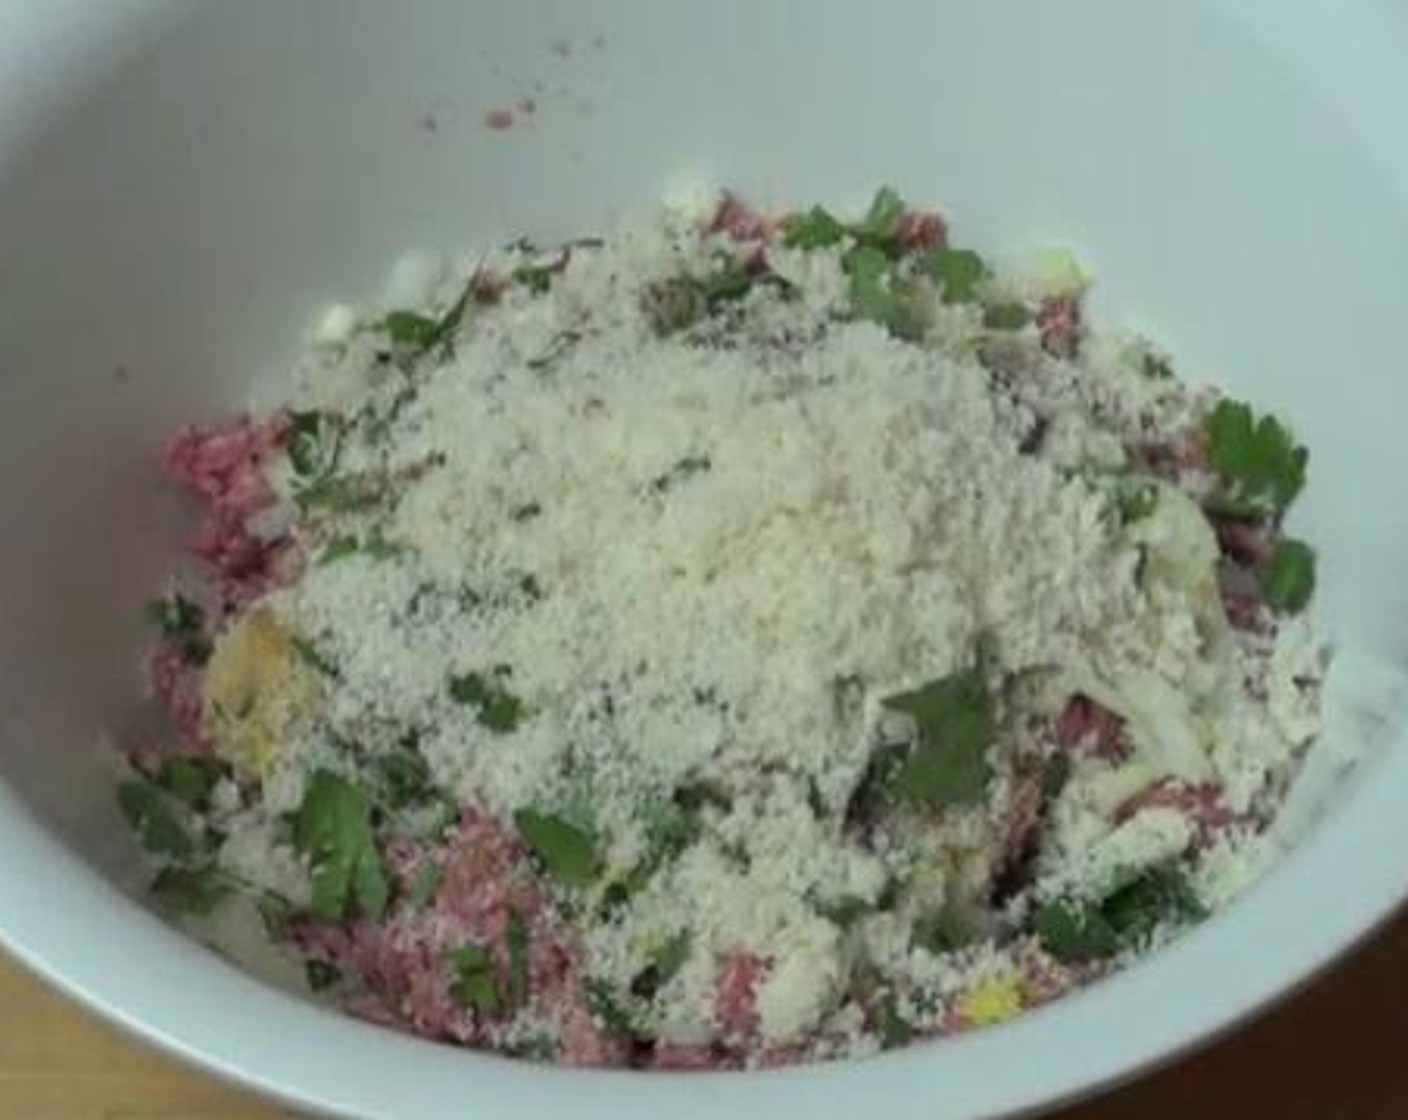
(1338, 1051)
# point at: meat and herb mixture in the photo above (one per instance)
(744, 639)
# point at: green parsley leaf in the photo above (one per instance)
(1289, 579)
(537, 278)
(343, 493)
(665, 963)
(955, 725)
(321, 975)
(418, 334)
(693, 796)
(152, 819)
(567, 853)
(410, 329)
(729, 281)
(475, 985)
(882, 222)
(189, 780)
(190, 890)
(1135, 498)
(845, 911)
(1073, 932)
(670, 827)
(333, 828)
(879, 295)
(534, 1048)
(1006, 317)
(1261, 466)
(1160, 894)
(608, 1011)
(427, 885)
(894, 1029)
(403, 777)
(374, 547)
(944, 930)
(338, 548)
(315, 445)
(957, 272)
(816, 229)
(1078, 931)
(313, 657)
(183, 623)
(495, 707)
(517, 937)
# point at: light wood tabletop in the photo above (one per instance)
(1335, 1052)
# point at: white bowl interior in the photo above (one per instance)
(179, 198)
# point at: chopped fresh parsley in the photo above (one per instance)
(1260, 465)
(881, 223)
(375, 547)
(402, 777)
(1289, 579)
(1006, 316)
(343, 493)
(1135, 498)
(670, 827)
(537, 278)
(418, 334)
(151, 817)
(894, 1029)
(182, 622)
(333, 828)
(880, 295)
(517, 937)
(944, 930)
(321, 976)
(728, 282)
(567, 853)
(679, 302)
(1074, 931)
(410, 329)
(608, 1011)
(844, 911)
(534, 1048)
(494, 706)
(1160, 894)
(338, 548)
(313, 657)
(314, 446)
(816, 229)
(474, 984)
(665, 963)
(957, 272)
(190, 890)
(427, 885)
(1070, 931)
(954, 726)
(189, 780)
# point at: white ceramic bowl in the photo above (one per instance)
(181, 185)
